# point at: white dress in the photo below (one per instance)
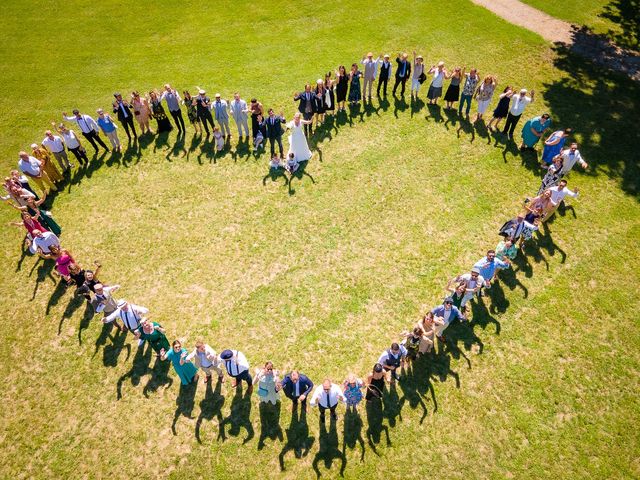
(298, 142)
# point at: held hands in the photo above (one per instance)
(302, 397)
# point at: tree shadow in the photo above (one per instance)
(239, 417)
(185, 402)
(269, 423)
(210, 407)
(298, 439)
(328, 448)
(597, 103)
(626, 15)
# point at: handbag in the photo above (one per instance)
(422, 78)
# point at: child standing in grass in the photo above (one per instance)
(219, 139)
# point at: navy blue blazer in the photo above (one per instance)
(302, 98)
(289, 388)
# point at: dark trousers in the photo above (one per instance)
(307, 127)
(81, 155)
(510, 124)
(399, 81)
(93, 137)
(178, 120)
(205, 116)
(244, 376)
(382, 81)
(128, 123)
(295, 401)
(331, 409)
(273, 141)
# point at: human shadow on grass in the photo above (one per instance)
(299, 174)
(598, 103)
(239, 417)
(210, 407)
(356, 110)
(111, 352)
(242, 149)
(95, 162)
(274, 174)
(298, 439)
(439, 365)
(463, 332)
(417, 104)
(24, 253)
(196, 140)
(452, 117)
(375, 425)
(399, 105)
(43, 268)
(482, 130)
(141, 367)
(466, 127)
(270, 428)
(177, 149)
(352, 435)
(328, 448)
(415, 384)
(435, 113)
(185, 403)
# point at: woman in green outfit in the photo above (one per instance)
(153, 333)
(186, 370)
(40, 214)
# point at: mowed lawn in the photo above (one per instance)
(324, 273)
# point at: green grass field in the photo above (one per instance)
(322, 274)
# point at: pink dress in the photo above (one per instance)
(62, 264)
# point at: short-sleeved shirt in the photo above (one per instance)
(30, 166)
(54, 144)
(518, 104)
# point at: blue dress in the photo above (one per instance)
(551, 151)
(187, 371)
(354, 89)
(528, 138)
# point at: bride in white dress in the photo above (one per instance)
(297, 141)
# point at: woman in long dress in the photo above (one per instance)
(329, 97)
(355, 94)
(186, 370)
(341, 85)
(44, 218)
(141, 111)
(553, 175)
(533, 131)
(553, 145)
(297, 140)
(153, 333)
(164, 125)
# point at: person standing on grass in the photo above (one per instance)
(326, 397)
(141, 111)
(103, 301)
(502, 109)
(553, 175)
(192, 111)
(164, 125)
(342, 86)
(206, 359)
(187, 372)
(553, 145)
(32, 168)
(72, 142)
(369, 74)
(375, 383)
(533, 130)
(411, 342)
(203, 106)
(487, 267)
(131, 315)
(221, 111)
(125, 116)
(392, 360)
(257, 114)
(570, 157)
(468, 90)
(306, 107)
(55, 145)
(518, 230)
(273, 124)
(42, 243)
(518, 104)
(355, 94)
(484, 93)
(473, 282)
(88, 127)
(267, 380)
(403, 72)
(172, 97)
(506, 250)
(435, 89)
(237, 368)
(418, 75)
(453, 91)
(239, 112)
(296, 387)
(109, 128)
(385, 74)
(447, 313)
(557, 197)
(352, 391)
(34, 208)
(43, 155)
(153, 333)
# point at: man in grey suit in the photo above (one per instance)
(239, 111)
(221, 111)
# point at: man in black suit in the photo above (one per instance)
(297, 387)
(307, 106)
(123, 109)
(275, 131)
(403, 72)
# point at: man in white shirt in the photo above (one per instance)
(103, 301)
(239, 111)
(571, 156)
(370, 70)
(237, 367)
(131, 315)
(326, 397)
(473, 281)
(42, 243)
(31, 167)
(518, 104)
(55, 145)
(89, 128)
(205, 358)
(392, 360)
(557, 196)
(385, 74)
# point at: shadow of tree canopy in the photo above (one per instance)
(601, 105)
(626, 14)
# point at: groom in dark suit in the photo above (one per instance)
(403, 73)
(307, 106)
(275, 131)
(297, 387)
(123, 109)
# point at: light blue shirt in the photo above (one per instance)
(106, 124)
(487, 268)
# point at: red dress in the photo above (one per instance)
(32, 225)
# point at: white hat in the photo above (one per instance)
(121, 303)
(34, 145)
(386, 55)
(319, 81)
(217, 95)
(201, 92)
(524, 90)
